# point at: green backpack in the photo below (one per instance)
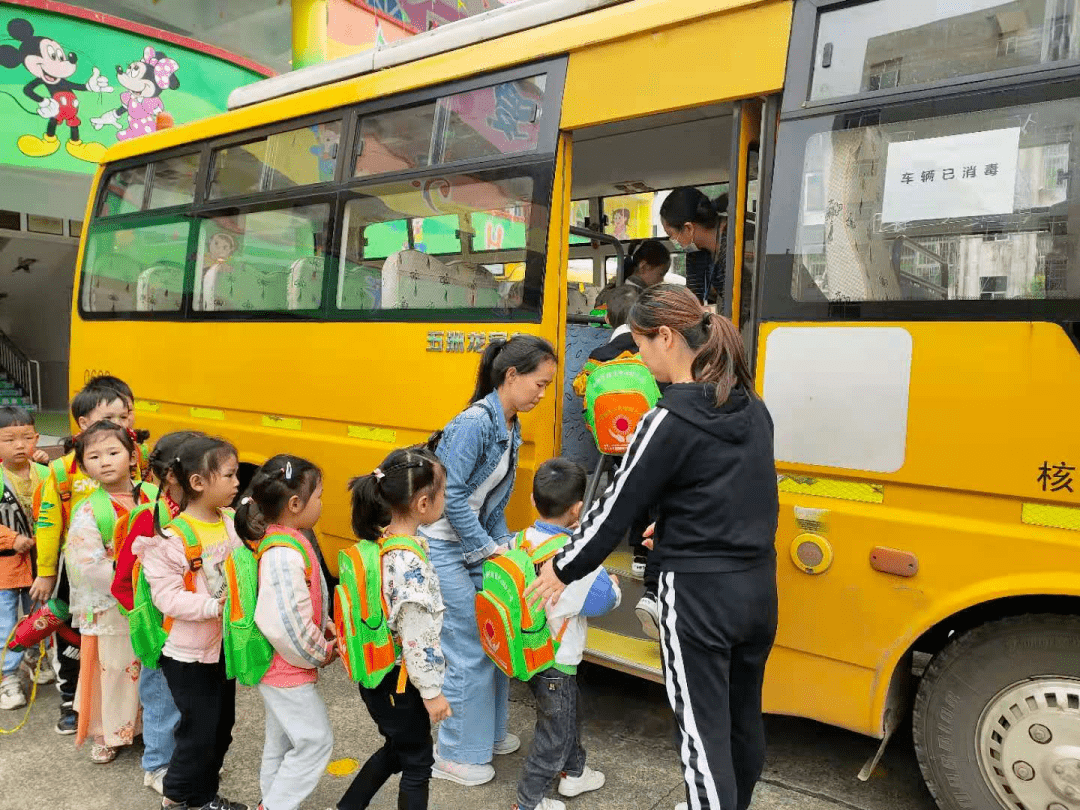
(617, 394)
(148, 627)
(513, 634)
(248, 654)
(367, 647)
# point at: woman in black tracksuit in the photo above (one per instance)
(704, 458)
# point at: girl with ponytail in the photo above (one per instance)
(160, 714)
(389, 505)
(284, 502)
(479, 449)
(703, 458)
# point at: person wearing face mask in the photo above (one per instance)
(698, 226)
(479, 450)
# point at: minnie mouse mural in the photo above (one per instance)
(146, 80)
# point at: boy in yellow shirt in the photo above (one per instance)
(63, 489)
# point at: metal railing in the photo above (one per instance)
(23, 371)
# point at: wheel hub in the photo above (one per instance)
(1029, 745)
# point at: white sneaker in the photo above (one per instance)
(154, 779)
(11, 692)
(507, 745)
(637, 567)
(550, 804)
(461, 772)
(682, 806)
(648, 613)
(45, 675)
(570, 786)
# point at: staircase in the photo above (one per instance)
(20, 377)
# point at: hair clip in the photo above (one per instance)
(288, 470)
(245, 500)
(378, 473)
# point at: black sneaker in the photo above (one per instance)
(648, 613)
(221, 803)
(69, 719)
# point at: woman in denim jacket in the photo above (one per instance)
(479, 449)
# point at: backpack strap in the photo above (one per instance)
(63, 480)
(544, 551)
(104, 514)
(402, 542)
(284, 538)
(192, 549)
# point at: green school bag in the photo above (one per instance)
(515, 635)
(248, 654)
(617, 394)
(367, 647)
(148, 627)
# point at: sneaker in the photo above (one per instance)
(221, 803)
(167, 804)
(682, 806)
(102, 754)
(155, 779)
(571, 786)
(648, 613)
(637, 567)
(461, 773)
(11, 692)
(507, 745)
(45, 674)
(545, 804)
(69, 719)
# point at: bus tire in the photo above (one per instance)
(996, 713)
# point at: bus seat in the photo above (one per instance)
(576, 301)
(416, 280)
(159, 288)
(305, 283)
(577, 443)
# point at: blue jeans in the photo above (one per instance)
(10, 599)
(160, 717)
(478, 693)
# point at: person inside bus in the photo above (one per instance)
(646, 264)
(698, 226)
(479, 449)
(704, 458)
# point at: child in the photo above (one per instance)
(558, 490)
(285, 497)
(191, 660)
(63, 489)
(160, 715)
(108, 695)
(405, 492)
(19, 477)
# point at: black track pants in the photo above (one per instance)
(716, 631)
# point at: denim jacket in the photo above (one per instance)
(470, 449)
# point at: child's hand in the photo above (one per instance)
(438, 708)
(330, 634)
(23, 544)
(614, 580)
(221, 605)
(648, 535)
(40, 456)
(42, 589)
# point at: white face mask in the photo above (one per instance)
(689, 247)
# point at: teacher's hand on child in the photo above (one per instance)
(545, 586)
(648, 535)
(438, 708)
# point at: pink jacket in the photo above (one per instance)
(195, 635)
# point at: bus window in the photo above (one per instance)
(403, 246)
(135, 269)
(171, 182)
(962, 207)
(501, 119)
(269, 261)
(297, 157)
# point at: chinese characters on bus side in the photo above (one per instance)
(1056, 477)
(966, 173)
(459, 342)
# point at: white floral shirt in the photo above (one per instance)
(411, 589)
(89, 561)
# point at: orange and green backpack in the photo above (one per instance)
(368, 648)
(248, 654)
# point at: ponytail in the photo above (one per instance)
(720, 359)
(391, 489)
(272, 487)
(524, 353)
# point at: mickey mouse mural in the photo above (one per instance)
(145, 80)
(52, 67)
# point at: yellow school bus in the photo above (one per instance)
(316, 270)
